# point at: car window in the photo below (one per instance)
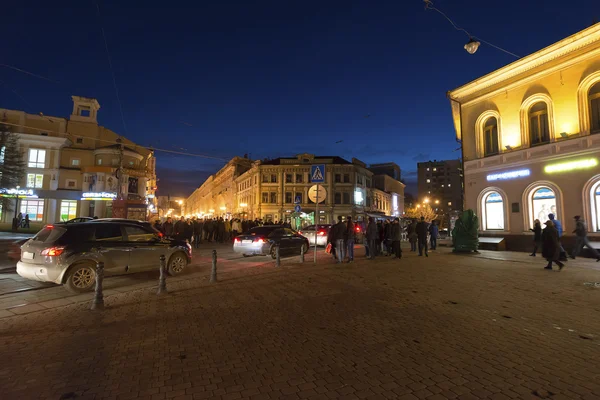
(78, 234)
(277, 232)
(108, 232)
(289, 232)
(261, 230)
(49, 234)
(138, 234)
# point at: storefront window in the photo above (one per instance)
(596, 206)
(543, 203)
(33, 208)
(68, 210)
(494, 211)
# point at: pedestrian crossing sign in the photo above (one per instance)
(317, 173)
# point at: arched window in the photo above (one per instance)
(539, 128)
(493, 207)
(596, 206)
(543, 202)
(594, 104)
(490, 136)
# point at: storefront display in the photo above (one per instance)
(494, 212)
(543, 203)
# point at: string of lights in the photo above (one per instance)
(474, 41)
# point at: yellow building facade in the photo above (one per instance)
(530, 142)
(72, 163)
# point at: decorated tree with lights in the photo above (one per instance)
(421, 210)
(12, 165)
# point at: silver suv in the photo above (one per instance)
(67, 253)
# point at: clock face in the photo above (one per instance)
(312, 194)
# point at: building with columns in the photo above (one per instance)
(72, 167)
(530, 134)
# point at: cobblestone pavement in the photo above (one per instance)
(443, 327)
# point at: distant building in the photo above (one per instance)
(390, 169)
(393, 187)
(440, 184)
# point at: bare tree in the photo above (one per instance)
(12, 165)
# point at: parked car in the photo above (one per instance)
(262, 240)
(321, 233)
(67, 253)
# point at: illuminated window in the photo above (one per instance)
(35, 180)
(265, 197)
(68, 210)
(114, 161)
(273, 197)
(490, 137)
(539, 130)
(427, 169)
(594, 99)
(273, 178)
(75, 162)
(33, 208)
(37, 158)
(442, 185)
(543, 202)
(288, 178)
(435, 169)
(449, 184)
(449, 203)
(428, 180)
(299, 178)
(493, 207)
(99, 161)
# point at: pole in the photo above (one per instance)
(98, 303)
(316, 223)
(213, 273)
(162, 282)
(302, 254)
(277, 259)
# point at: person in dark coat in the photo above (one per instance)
(158, 226)
(433, 234)
(551, 245)
(372, 237)
(220, 230)
(387, 238)
(330, 240)
(168, 227)
(180, 229)
(349, 239)
(198, 230)
(188, 230)
(421, 230)
(396, 237)
(537, 236)
(209, 228)
(339, 234)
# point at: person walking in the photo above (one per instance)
(198, 228)
(168, 227)
(559, 229)
(537, 236)
(581, 239)
(350, 239)
(228, 230)
(551, 245)
(340, 232)
(433, 234)
(220, 230)
(387, 238)
(331, 240)
(421, 230)
(411, 232)
(209, 227)
(180, 228)
(396, 233)
(188, 230)
(235, 228)
(372, 235)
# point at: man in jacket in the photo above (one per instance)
(396, 236)
(350, 239)
(198, 229)
(581, 239)
(180, 229)
(339, 233)
(558, 226)
(372, 237)
(433, 234)
(551, 245)
(421, 230)
(168, 227)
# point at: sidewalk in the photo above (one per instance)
(442, 327)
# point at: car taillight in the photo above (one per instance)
(358, 229)
(160, 234)
(53, 251)
(299, 232)
(50, 226)
(321, 233)
(237, 240)
(260, 240)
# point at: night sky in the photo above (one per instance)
(270, 78)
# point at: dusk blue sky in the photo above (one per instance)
(270, 78)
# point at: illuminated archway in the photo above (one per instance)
(492, 208)
(540, 199)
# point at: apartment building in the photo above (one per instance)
(440, 184)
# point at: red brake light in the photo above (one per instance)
(321, 233)
(260, 240)
(299, 232)
(53, 251)
(50, 226)
(237, 240)
(358, 229)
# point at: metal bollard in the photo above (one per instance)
(98, 303)
(213, 273)
(302, 254)
(277, 258)
(162, 281)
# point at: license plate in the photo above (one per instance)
(27, 255)
(246, 241)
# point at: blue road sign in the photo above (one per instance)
(298, 200)
(317, 173)
(297, 208)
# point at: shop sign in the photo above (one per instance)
(571, 165)
(99, 196)
(521, 173)
(21, 193)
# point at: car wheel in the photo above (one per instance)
(81, 278)
(273, 252)
(177, 263)
(305, 247)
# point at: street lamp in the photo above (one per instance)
(472, 46)
(426, 200)
(437, 202)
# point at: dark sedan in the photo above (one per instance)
(263, 240)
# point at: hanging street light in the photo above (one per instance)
(472, 46)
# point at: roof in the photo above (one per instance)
(116, 146)
(335, 159)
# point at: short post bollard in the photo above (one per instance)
(302, 254)
(213, 273)
(162, 281)
(277, 259)
(98, 303)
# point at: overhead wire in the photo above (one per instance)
(429, 6)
